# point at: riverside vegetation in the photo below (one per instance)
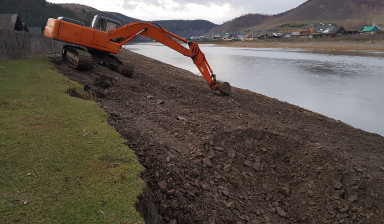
(60, 161)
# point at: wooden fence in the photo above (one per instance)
(16, 45)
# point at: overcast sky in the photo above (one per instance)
(217, 11)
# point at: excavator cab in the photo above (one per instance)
(104, 23)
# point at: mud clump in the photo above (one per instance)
(243, 158)
(104, 82)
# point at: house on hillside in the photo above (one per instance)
(221, 36)
(12, 22)
(224, 36)
(371, 30)
(249, 37)
(352, 30)
(216, 37)
(238, 37)
(295, 34)
(329, 31)
(277, 35)
(335, 31)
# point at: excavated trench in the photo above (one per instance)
(244, 158)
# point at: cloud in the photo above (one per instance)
(181, 9)
(217, 11)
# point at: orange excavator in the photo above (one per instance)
(106, 36)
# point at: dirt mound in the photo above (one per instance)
(244, 158)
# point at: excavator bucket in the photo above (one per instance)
(225, 88)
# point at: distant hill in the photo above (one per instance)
(345, 12)
(241, 23)
(183, 28)
(86, 13)
(186, 28)
(36, 12)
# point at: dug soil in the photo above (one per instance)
(243, 158)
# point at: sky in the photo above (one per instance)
(216, 11)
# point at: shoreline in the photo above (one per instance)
(336, 44)
(206, 154)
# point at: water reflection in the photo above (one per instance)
(344, 85)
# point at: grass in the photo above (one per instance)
(60, 161)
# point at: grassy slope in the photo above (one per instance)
(60, 161)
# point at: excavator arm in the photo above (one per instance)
(106, 41)
(165, 37)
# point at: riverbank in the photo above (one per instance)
(244, 158)
(337, 44)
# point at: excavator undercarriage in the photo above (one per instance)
(94, 45)
(81, 59)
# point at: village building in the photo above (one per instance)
(221, 36)
(335, 31)
(371, 30)
(350, 30)
(12, 22)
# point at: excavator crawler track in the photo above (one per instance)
(77, 58)
(116, 64)
(112, 62)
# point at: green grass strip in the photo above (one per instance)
(60, 161)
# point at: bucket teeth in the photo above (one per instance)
(225, 88)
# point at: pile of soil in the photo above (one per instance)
(243, 158)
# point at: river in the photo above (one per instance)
(346, 85)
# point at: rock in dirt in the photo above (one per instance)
(353, 197)
(281, 212)
(343, 208)
(162, 185)
(285, 190)
(159, 102)
(231, 153)
(229, 204)
(337, 185)
(207, 162)
(227, 168)
(181, 118)
(257, 166)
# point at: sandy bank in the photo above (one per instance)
(366, 44)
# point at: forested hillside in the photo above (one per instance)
(343, 12)
(186, 28)
(36, 12)
(240, 23)
(87, 13)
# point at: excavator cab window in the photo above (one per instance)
(104, 23)
(71, 20)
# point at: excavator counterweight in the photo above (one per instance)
(107, 36)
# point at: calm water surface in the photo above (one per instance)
(347, 86)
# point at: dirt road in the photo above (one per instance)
(244, 158)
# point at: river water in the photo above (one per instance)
(345, 85)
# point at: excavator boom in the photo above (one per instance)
(111, 41)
